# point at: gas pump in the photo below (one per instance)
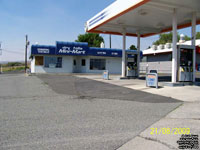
(131, 65)
(185, 63)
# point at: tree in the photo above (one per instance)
(165, 38)
(198, 35)
(132, 47)
(93, 39)
(187, 38)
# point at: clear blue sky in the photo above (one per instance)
(47, 21)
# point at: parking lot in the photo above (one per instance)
(68, 112)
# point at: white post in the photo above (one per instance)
(1, 70)
(124, 55)
(33, 65)
(193, 43)
(174, 53)
(138, 56)
(110, 41)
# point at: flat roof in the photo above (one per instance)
(148, 17)
(151, 51)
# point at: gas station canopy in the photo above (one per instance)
(146, 17)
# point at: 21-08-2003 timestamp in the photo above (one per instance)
(174, 131)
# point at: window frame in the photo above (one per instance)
(37, 62)
(95, 66)
(55, 61)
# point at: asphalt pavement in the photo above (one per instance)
(87, 88)
(67, 112)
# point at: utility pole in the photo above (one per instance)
(0, 55)
(26, 47)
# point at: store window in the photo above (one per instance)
(170, 57)
(39, 60)
(83, 62)
(144, 59)
(53, 62)
(97, 64)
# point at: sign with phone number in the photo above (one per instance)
(152, 80)
(106, 75)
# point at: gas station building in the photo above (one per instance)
(77, 57)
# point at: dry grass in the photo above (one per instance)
(13, 68)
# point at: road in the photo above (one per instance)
(67, 112)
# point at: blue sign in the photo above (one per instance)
(43, 50)
(105, 52)
(77, 48)
(71, 48)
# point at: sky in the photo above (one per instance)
(48, 21)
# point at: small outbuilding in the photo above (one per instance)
(160, 57)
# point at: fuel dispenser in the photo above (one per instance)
(131, 65)
(185, 63)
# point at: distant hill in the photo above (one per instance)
(5, 62)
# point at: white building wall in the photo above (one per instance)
(113, 64)
(160, 66)
(39, 69)
(67, 67)
(67, 64)
(80, 68)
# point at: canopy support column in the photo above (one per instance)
(174, 52)
(110, 41)
(194, 43)
(138, 56)
(124, 55)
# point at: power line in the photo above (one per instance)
(13, 52)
